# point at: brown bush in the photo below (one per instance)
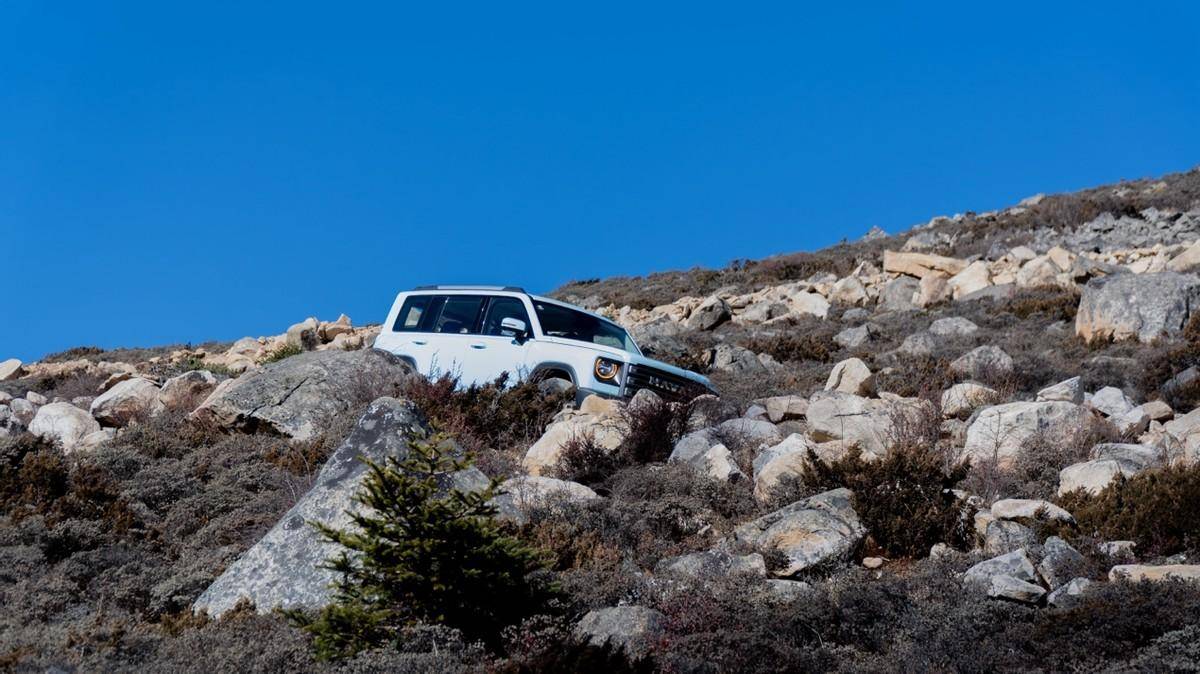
(905, 500)
(794, 346)
(1158, 508)
(584, 461)
(1052, 302)
(491, 416)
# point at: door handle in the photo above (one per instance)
(420, 342)
(479, 346)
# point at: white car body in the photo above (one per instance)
(478, 333)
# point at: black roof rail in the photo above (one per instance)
(509, 289)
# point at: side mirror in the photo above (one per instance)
(515, 326)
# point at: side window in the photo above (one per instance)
(459, 315)
(501, 308)
(414, 309)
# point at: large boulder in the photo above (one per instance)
(1000, 432)
(921, 265)
(297, 396)
(63, 423)
(868, 423)
(814, 531)
(283, 568)
(1107, 461)
(597, 421)
(1137, 306)
(11, 369)
(129, 400)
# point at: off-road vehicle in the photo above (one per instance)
(480, 332)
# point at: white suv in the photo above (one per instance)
(480, 332)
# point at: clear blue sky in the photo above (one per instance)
(174, 172)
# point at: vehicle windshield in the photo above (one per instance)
(559, 321)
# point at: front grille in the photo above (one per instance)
(668, 386)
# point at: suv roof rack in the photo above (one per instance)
(510, 289)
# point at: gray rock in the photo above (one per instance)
(636, 629)
(851, 376)
(711, 313)
(1070, 594)
(9, 424)
(1034, 510)
(520, 495)
(129, 400)
(187, 390)
(1060, 562)
(297, 396)
(712, 564)
(1016, 564)
(853, 337)
(786, 590)
(11, 369)
(1007, 587)
(898, 294)
(955, 326)
(63, 423)
(735, 359)
(1069, 390)
(997, 292)
(1137, 306)
(855, 315)
(1111, 401)
(966, 397)
(23, 410)
(1004, 536)
(815, 531)
(1000, 432)
(784, 408)
(281, 569)
(982, 361)
(917, 345)
(748, 432)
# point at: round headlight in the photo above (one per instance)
(607, 370)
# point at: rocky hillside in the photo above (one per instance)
(972, 447)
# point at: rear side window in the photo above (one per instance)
(460, 315)
(411, 314)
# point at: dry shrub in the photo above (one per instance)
(794, 346)
(653, 428)
(917, 377)
(905, 500)
(584, 461)
(1052, 302)
(1158, 508)
(490, 416)
(1165, 360)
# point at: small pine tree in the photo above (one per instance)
(422, 553)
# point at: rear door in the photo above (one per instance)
(453, 328)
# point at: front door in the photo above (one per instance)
(496, 349)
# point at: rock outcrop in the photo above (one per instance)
(282, 568)
(296, 396)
